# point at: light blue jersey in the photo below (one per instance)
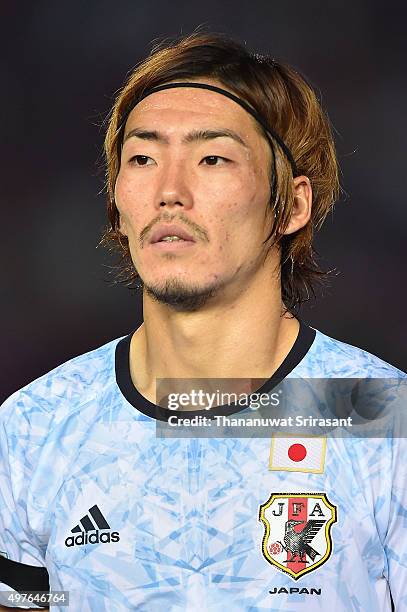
(93, 503)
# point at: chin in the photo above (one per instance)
(180, 295)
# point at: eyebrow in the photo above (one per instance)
(193, 136)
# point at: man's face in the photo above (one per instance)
(177, 170)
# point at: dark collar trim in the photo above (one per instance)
(300, 348)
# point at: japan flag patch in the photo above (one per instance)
(293, 454)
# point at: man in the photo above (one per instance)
(220, 166)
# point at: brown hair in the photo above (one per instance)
(289, 105)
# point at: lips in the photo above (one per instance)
(164, 230)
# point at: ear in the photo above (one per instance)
(301, 212)
(122, 226)
(122, 222)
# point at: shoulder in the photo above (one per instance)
(51, 398)
(329, 357)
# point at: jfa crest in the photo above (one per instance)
(297, 536)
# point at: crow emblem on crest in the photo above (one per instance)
(298, 543)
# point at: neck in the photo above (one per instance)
(246, 337)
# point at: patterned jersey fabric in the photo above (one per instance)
(92, 502)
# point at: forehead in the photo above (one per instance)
(198, 107)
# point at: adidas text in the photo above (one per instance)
(94, 537)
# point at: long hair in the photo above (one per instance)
(288, 103)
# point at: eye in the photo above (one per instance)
(140, 160)
(213, 159)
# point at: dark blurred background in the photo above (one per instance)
(61, 64)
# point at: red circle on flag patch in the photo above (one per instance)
(297, 452)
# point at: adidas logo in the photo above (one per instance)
(86, 525)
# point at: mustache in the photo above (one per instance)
(197, 231)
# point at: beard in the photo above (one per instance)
(181, 296)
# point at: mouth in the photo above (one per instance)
(166, 236)
(173, 239)
(172, 245)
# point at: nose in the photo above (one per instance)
(174, 188)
